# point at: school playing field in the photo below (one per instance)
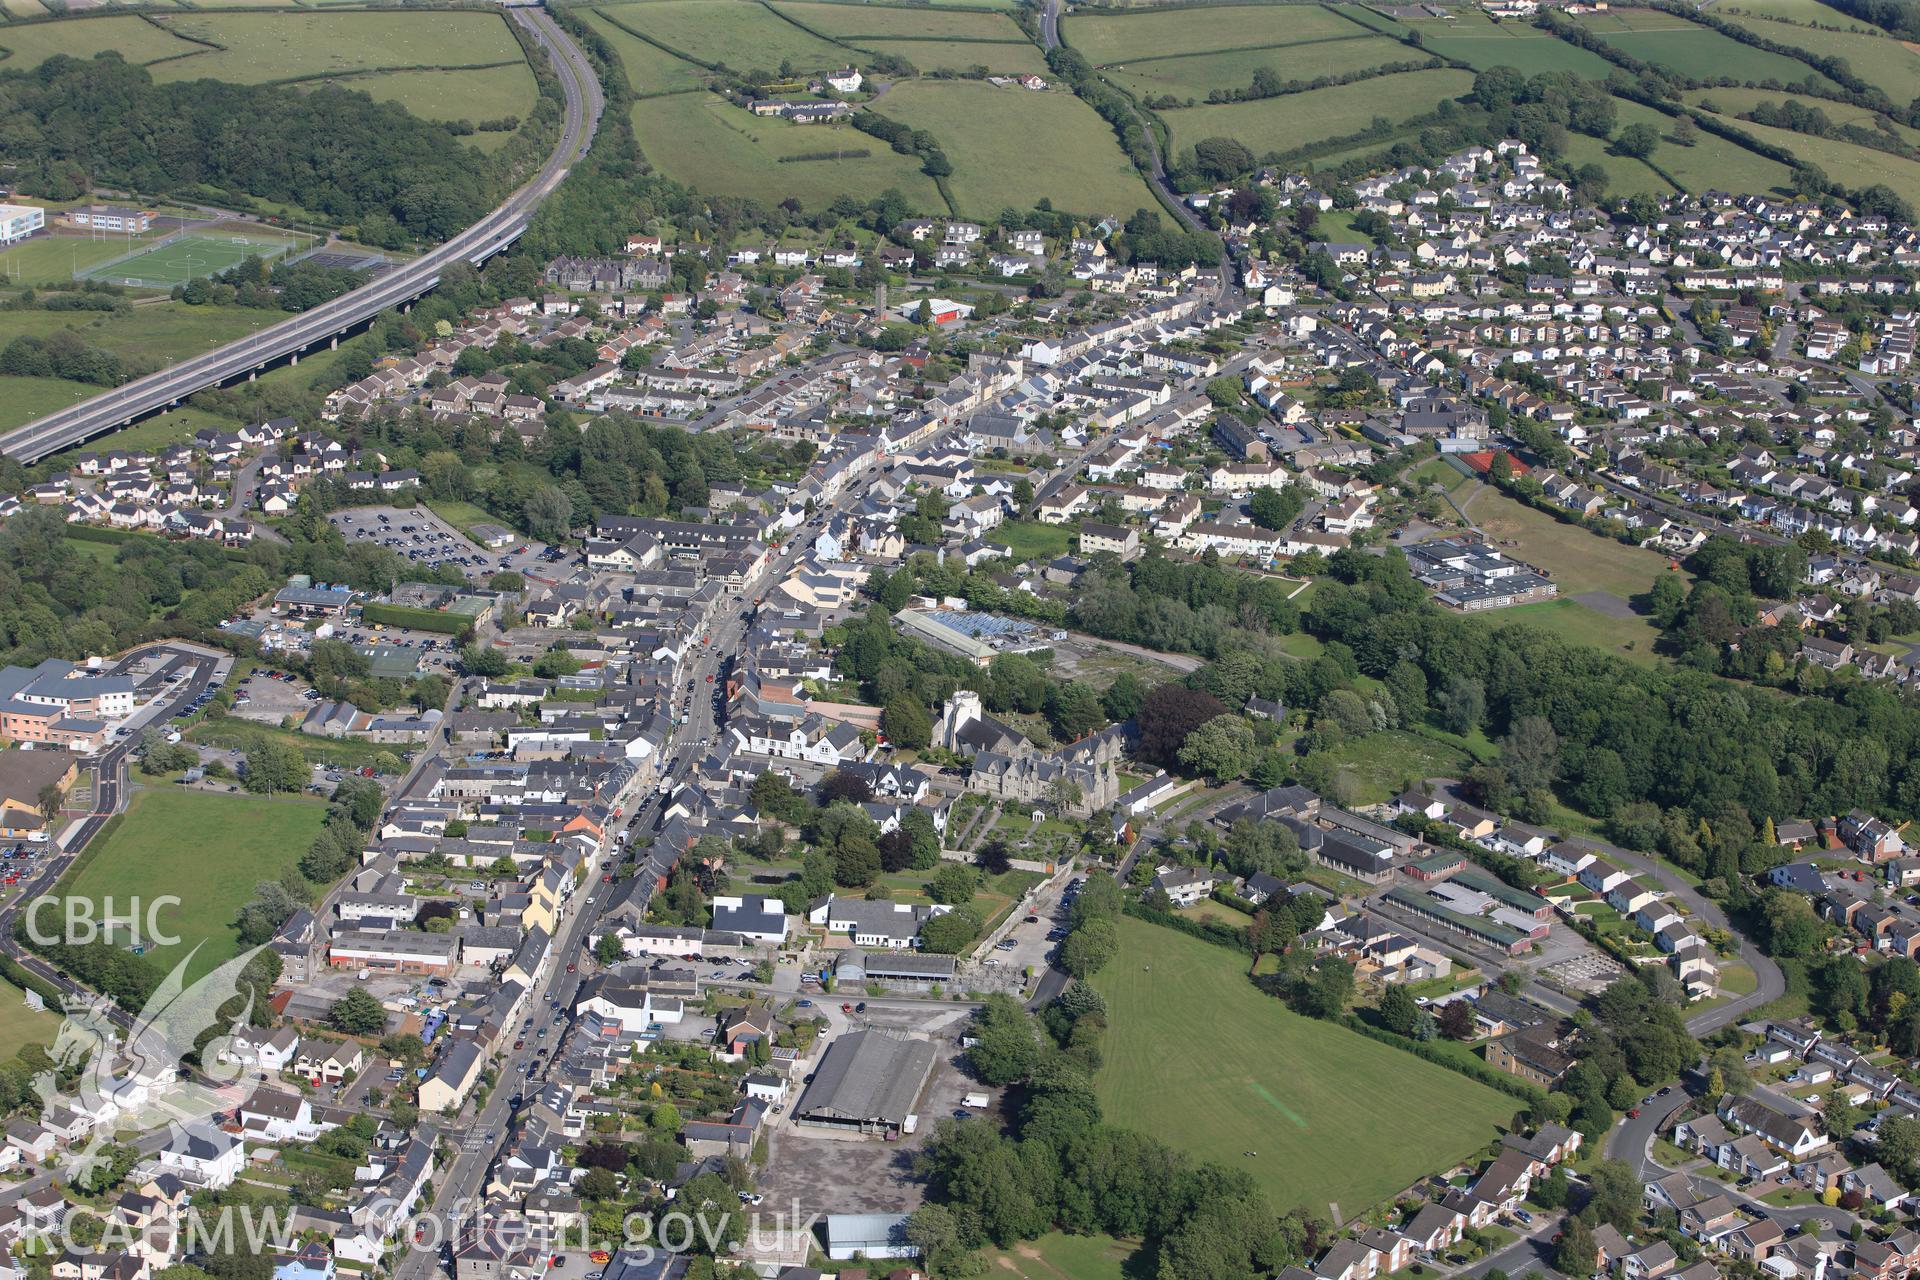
(1320, 1115)
(189, 257)
(206, 849)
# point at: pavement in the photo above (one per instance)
(1531, 1254)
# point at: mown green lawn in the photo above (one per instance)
(1031, 540)
(21, 1026)
(1320, 1115)
(1631, 638)
(206, 849)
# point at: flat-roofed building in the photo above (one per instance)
(18, 221)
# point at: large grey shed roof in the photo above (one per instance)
(868, 1076)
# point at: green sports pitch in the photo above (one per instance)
(189, 257)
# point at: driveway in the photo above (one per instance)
(1772, 984)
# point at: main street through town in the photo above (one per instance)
(477, 1137)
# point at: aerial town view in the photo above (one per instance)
(959, 640)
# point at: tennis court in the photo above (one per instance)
(188, 256)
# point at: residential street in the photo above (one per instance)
(1772, 983)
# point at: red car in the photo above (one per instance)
(571, 968)
(846, 1008)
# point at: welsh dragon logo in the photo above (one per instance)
(132, 1073)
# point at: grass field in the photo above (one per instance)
(166, 428)
(1480, 42)
(1195, 75)
(1625, 637)
(1626, 176)
(1061, 1257)
(241, 735)
(21, 1026)
(1796, 11)
(54, 259)
(1692, 50)
(256, 48)
(704, 140)
(1880, 60)
(1710, 162)
(208, 850)
(988, 133)
(1282, 124)
(463, 515)
(1731, 102)
(1211, 912)
(24, 399)
(1336, 1118)
(849, 21)
(741, 34)
(477, 95)
(190, 257)
(1598, 577)
(1444, 476)
(649, 69)
(1109, 38)
(1031, 540)
(158, 331)
(136, 39)
(1846, 162)
(1001, 57)
(1381, 764)
(1578, 560)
